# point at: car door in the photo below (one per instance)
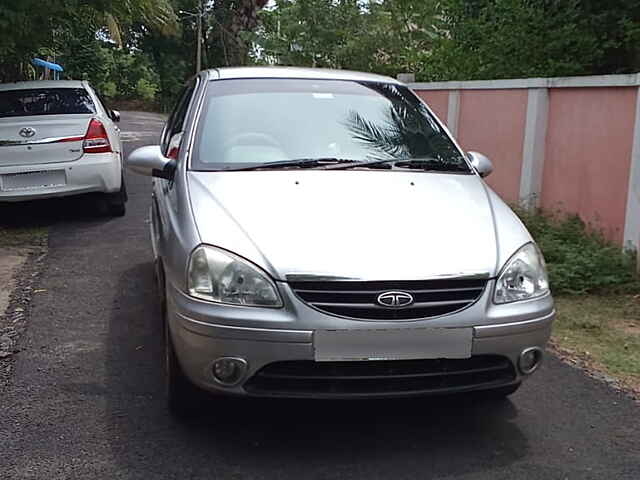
(164, 205)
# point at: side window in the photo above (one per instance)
(106, 109)
(172, 134)
(164, 140)
(103, 104)
(98, 98)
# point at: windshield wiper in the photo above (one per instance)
(295, 163)
(420, 163)
(430, 164)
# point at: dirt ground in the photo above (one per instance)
(11, 260)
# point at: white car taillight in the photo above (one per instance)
(96, 139)
(174, 146)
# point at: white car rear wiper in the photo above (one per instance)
(295, 163)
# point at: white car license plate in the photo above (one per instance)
(392, 344)
(33, 180)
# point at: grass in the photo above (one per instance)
(22, 236)
(602, 331)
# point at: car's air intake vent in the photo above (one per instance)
(390, 300)
(380, 377)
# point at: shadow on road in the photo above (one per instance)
(49, 212)
(266, 438)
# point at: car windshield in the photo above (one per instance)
(44, 101)
(251, 122)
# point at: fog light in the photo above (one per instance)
(228, 370)
(529, 360)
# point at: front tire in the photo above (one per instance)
(184, 399)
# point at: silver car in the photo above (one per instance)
(57, 138)
(320, 234)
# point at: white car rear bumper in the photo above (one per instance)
(97, 172)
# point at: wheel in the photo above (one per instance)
(116, 202)
(183, 397)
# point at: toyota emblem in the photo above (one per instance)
(395, 299)
(27, 132)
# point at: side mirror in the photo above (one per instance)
(481, 163)
(114, 115)
(149, 161)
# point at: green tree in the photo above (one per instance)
(315, 33)
(454, 39)
(133, 48)
(31, 27)
(225, 37)
(402, 33)
(387, 37)
(616, 25)
(511, 38)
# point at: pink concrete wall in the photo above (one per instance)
(438, 101)
(493, 122)
(588, 155)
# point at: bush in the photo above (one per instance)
(108, 89)
(579, 259)
(146, 90)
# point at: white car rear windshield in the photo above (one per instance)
(45, 101)
(248, 122)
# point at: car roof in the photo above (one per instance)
(42, 84)
(296, 73)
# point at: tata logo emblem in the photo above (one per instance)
(27, 132)
(395, 299)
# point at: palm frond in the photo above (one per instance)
(156, 14)
(113, 27)
(160, 14)
(386, 140)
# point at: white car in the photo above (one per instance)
(57, 138)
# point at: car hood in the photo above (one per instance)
(371, 225)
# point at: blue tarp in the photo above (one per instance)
(43, 63)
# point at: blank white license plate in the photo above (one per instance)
(392, 344)
(33, 180)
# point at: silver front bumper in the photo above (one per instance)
(203, 332)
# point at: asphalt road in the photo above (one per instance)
(86, 399)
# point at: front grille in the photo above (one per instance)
(380, 377)
(357, 299)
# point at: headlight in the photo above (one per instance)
(524, 276)
(219, 276)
